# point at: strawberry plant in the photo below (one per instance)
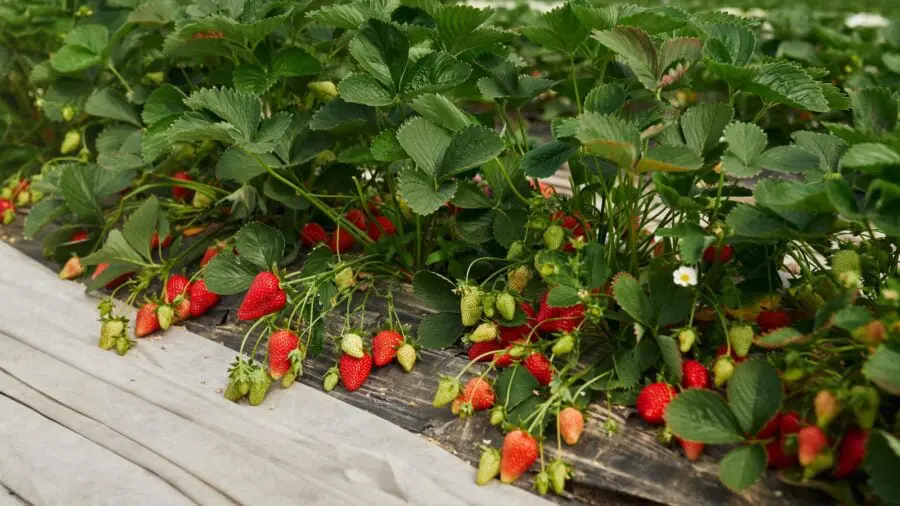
(723, 257)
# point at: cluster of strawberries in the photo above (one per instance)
(17, 192)
(340, 241)
(355, 363)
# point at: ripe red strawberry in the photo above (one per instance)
(559, 319)
(384, 347)
(202, 300)
(505, 359)
(776, 456)
(480, 349)
(181, 193)
(264, 296)
(694, 374)
(313, 235)
(183, 310)
(540, 367)
(115, 282)
(355, 371)
(692, 449)
(771, 320)
(357, 218)
(79, 235)
(146, 322)
(386, 225)
(281, 344)
(176, 285)
(478, 392)
(724, 254)
(511, 334)
(652, 401)
(340, 241)
(154, 241)
(790, 423)
(519, 452)
(7, 211)
(770, 429)
(810, 442)
(851, 452)
(571, 425)
(211, 253)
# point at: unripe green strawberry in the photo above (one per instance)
(166, 316)
(563, 345)
(498, 414)
(345, 279)
(70, 142)
(123, 344)
(487, 305)
(331, 379)
(325, 91)
(506, 304)
(110, 330)
(548, 269)
(352, 344)
(23, 198)
(542, 482)
(201, 200)
(470, 306)
(827, 406)
(232, 391)
(518, 278)
(243, 387)
(741, 337)
(259, 386)
(68, 112)
(488, 466)
(447, 390)
(293, 372)
(516, 250)
(554, 237)
(406, 357)
(485, 332)
(845, 261)
(722, 370)
(864, 401)
(558, 472)
(686, 340)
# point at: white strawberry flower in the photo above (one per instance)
(685, 276)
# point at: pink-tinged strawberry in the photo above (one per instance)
(115, 282)
(559, 319)
(811, 441)
(519, 452)
(182, 309)
(571, 425)
(777, 458)
(694, 374)
(202, 300)
(692, 449)
(540, 367)
(357, 218)
(340, 241)
(155, 243)
(182, 193)
(79, 236)
(483, 351)
(851, 452)
(827, 406)
(72, 269)
(355, 371)
(7, 211)
(313, 235)
(384, 347)
(770, 429)
(387, 228)
(652, 401)
(722, 253)
(478, 393)
(176, 285)
(772, 320)
(281, 344)
(211, 253)
(264, 296)
(146, 322)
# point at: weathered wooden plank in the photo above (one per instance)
(629, 467)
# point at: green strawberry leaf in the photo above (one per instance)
(754, 394)
(882, 459)
(228, 274)
(742, 467)
(435, 291)
(702, 416)
(259, 244)
(438, 331)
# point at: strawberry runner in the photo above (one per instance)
(152, 429)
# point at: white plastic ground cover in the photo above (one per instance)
(80, 426)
